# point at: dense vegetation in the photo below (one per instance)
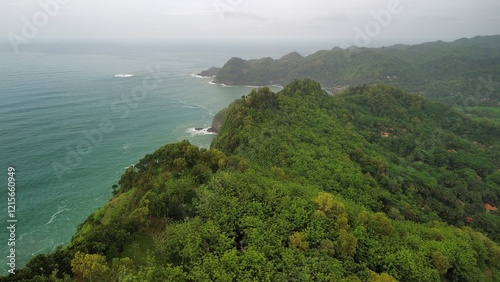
(464, 72)
(373, 184)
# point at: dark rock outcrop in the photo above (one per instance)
(218, 120)
(211, 72)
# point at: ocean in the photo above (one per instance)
(74, 116)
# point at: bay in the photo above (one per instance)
(74, 116)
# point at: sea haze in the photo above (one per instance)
(70, 124)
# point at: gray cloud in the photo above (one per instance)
(242, 15)
(333, 17)
(422, 20)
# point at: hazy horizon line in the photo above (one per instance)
(317, 44)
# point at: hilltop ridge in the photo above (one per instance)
(448, 71)
(372, 184)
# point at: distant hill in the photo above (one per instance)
(372, 184)
(465, 72)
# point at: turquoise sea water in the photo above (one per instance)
(70, 126)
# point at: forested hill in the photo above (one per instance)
(466, 71)
(373, 184)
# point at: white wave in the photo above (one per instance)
(34, 253)
(219, 84)
(61, 209)
(248, 86)
(195, 106)
(20, 237)
(126, 145)
(57, 245)
(132, 165)
(202, 76)
(190, 107)
(123, 75)
(271, 85)
(199, 131)
(205, 108)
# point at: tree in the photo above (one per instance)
(89, 266)
(377, 222)
(440, 262)
(297, 240)
(348, 242)
(326, 246)
(327, 204)
(382, 277)
(122, 269)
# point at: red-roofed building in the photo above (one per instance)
(490, 208)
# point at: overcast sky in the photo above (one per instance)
(409, 21)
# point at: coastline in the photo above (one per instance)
(234, 85)
(202, 130)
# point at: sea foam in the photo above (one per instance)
(199, 131)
